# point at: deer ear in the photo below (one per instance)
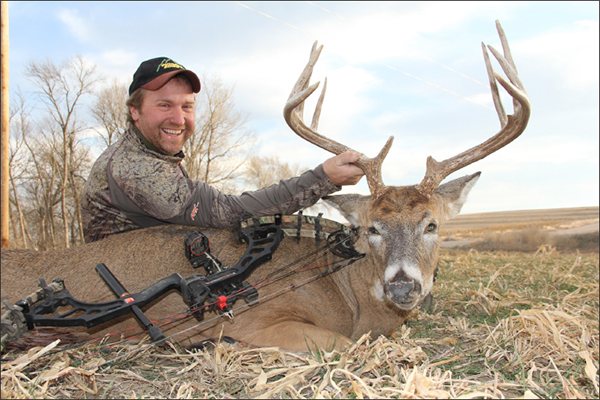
(349, 205)
(451, 196)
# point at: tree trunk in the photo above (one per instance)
(64, 190)
(19, 211)
(4, 144)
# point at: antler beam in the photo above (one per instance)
(293, 111)
(511, 126)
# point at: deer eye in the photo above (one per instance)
(431, 227)
(373, 230)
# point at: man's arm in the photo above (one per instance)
(289, 195)
(158, 192)
(215, 209)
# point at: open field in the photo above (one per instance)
(502, 325)
(567, 229)
(559, 218)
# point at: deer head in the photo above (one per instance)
(399, 226)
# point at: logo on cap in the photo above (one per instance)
(168, 63)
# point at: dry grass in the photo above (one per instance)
(530, 238)
(526, 239)
(503, 324)
(524, 230)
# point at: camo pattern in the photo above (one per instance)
(308, 223)
(132, 186)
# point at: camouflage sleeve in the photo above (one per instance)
(158, 191)
(218, 210)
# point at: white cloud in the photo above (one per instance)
(119, 58)
(263, 82)
(484, 99)
(398, 32)
(532, 153)
(572, 54)
(345, 100)
(79, 28)
(491, 195)
(118, 64)
(260, 78)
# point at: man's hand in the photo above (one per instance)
(341, 170)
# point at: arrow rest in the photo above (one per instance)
(341, 245)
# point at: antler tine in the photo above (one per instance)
(494, 87)
(314, 125)
(304, 78)
(292, 112)
(512, 73)
(511, 126)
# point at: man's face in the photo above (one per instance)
(167, 116)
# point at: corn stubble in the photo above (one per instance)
(503, 324)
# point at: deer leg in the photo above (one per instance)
(297, 336)
(210, 344)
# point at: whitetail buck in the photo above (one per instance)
(397, 230)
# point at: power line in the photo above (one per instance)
(378, 62)
(419, 54)
(276, 19)
(436, 62)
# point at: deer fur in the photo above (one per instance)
(329, 312)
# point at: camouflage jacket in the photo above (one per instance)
(132, 186)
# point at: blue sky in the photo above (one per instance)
(413, 70)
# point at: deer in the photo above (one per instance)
(396, 229)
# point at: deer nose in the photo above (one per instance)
(404, 291)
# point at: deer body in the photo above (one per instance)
(398, 230)
(329, 312)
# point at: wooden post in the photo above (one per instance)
(4, 217)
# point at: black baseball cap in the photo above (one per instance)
(153, 74)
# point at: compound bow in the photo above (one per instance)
(220, 287)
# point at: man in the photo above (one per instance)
(139, 182)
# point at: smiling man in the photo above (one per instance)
(139, 181)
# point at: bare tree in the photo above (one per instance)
(42, 192)
(33, 181)
(61, 89)
(18, 167)
(49, 160)
(222, 143)
(109, 111)
(265, 171)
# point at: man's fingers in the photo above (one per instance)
(342, 170)
(348, 157)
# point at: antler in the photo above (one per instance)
(512, 125)
(293, 110)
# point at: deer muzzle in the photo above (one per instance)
(404, 293)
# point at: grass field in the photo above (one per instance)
(525, 230)
(503, 324)
(552, 218)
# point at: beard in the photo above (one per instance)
(168, 139)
